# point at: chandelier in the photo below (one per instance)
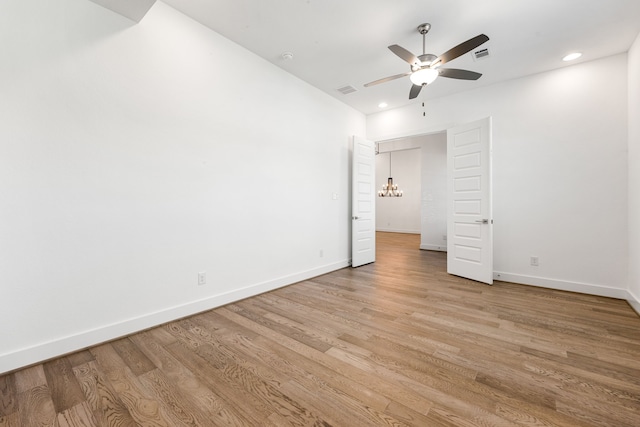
(390, 189)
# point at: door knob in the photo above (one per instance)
(482, 221)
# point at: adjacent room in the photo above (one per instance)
(178, 213)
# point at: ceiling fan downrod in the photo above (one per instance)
(424, 29)
(425, 58)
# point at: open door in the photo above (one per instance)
(363, 202)
(469, 213)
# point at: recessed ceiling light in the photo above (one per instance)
(572, 56)
(287, 56)
(383, 105)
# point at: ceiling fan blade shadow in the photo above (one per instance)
(454, 73)
(415, 91)
(387, 79)
(405, 55)
(460, 50)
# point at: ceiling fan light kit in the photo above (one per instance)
(425, 68)
(424, 76)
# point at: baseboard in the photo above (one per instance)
(583, 288)
(434, 248)
(395, 230)
(55, 348)
(634, 302)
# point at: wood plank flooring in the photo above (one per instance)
(394, 343)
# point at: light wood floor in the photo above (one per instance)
(397, 342)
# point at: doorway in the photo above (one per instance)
(427, 216)
(468, 201)
(399, 214)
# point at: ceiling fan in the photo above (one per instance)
(425, 68)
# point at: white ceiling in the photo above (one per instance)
(134, 10)
(344, 42)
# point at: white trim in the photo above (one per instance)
(65, 345)
(634, 302)
(395, 230)
(430, 130)
(563, 285)
(442, 248)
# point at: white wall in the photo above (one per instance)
(399, 214)
(434, 192)
(560, 171)
(634, 175)
(133, 157)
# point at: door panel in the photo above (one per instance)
(363, 220)
(469, 216)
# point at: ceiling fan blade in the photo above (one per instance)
(415, 90)
(460, 50)
(454, 73)
(405, 54)
(387, 79)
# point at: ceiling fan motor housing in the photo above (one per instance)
(427, 59)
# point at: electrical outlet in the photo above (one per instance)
(202, 278)
(534, 261)
(444, 237)
(321, 253)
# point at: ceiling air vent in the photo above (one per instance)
(346, 90)
(480, 54)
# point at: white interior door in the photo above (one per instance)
(469, 214)
(363, 211)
